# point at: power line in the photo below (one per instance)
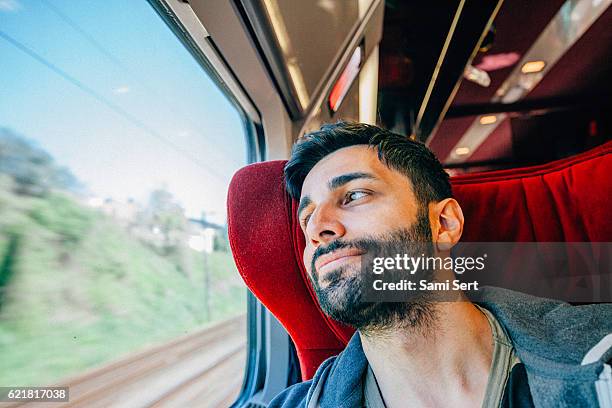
(115, 108)
(84, 33)
(92, 40)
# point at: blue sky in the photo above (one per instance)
(106, 88)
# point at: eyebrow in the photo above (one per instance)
(335, 183)
(339, 181)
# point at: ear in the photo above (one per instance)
(447, 223)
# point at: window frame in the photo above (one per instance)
(196, 40)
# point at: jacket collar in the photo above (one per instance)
(343, 382)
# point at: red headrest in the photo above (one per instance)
(563, 201)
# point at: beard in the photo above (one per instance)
(341, 292)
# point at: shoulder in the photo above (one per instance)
(294, 396)
(298, 394)
(549, 328)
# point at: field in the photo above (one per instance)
(78, 290)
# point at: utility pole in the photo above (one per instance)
(206, 277)
(205, 263)
(207, 289)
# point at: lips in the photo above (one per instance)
(336, 255)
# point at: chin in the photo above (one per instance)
(337, 276)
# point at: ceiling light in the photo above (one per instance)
(513, 94)
(532, 67)
(462, 151)
(488, 120)
(476, 75)
(494, 62)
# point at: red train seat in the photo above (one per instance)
(562, 201)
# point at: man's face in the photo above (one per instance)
(353, 204)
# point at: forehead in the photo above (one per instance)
(359, 158)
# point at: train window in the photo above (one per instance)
(116, 150)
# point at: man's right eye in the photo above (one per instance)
(354, 196)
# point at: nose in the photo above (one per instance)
(324, 226)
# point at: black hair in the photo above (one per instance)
(412, 158)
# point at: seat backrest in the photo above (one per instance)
(563, 201)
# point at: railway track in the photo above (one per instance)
(203, 369)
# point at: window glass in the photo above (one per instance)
(116, 150)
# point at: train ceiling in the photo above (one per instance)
(424, 91)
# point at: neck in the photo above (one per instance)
(445, 360)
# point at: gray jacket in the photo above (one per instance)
(566, 351)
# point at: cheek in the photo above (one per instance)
(401, 208)
(384, 214)
(307, 258)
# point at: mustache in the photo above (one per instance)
(362, 244)
(419, 234)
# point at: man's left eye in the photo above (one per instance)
(354, 195)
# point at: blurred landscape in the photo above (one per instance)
(85, 280)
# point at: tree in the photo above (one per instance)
(167, 217)
(33, 170)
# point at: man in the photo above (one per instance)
(364, 192)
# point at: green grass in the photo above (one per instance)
(79, 291)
